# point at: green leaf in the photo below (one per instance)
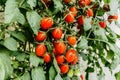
(34, 21)
(58, 77)
(113, 9)
(87, 25)
(2, 71)
(117, 75)
(32, 3)
(56, 66)
(83, 44)
(38, 74)
(25, 76)
(19, 35)
(114, 48)
(58, 6)
(34, 60)
(100, 33)
(110, 55)
(89, 70)
(11, 44)
(21, 56)
(100, 12)
(12, 12)
(115, 63)
(52, 73)
(6, 62)
(106, 1)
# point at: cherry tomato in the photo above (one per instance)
(84, 3)
(75, 60)
(82, 77)
(67, 1)
(40, 50)
(112, 17)
(102, 24)
(80, 20)
(40, 37)
(72, 40)
(47, 58)
(54, 51)
(70, 55)
(64, 68)
(69, 18)
(87, 2)
(57, 33)
(60, 59)
(89, 12)
(73, 9)
(60, 47)
(45, 1)
(46, 23)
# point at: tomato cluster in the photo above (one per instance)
(64, 55)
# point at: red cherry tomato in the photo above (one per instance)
(84, 3)
(102, 24)
(46, 23)
(57, 33)
(60, 59)
(82, 77)
(67, 1)
(40, 37)
(60, 47)
(64, 68)
(40, 50)
(89, 12)
(73, 9)
(47, 58)
(70, 55)
(80, 20)
(69, 18)
(75, 60)
(72, 40)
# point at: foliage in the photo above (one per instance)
(18, 60)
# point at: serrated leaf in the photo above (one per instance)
(38, 74)
(114, 48)
(6, 61)
(2, 71)
(19, 35)
(12, 12)
(117, 75)
(113, 9)
(10, 44)
(58, 77)
(52, 73)
(21, 56)
(25, 76)
(87, 25)
(34, 21)
(110, 55)
(115, 63)
(83, 44)
(34, 60)
(58, 6)
(100, 33)
(32, 3)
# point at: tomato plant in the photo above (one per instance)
(58, 39)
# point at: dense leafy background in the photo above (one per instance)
(22, 17)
